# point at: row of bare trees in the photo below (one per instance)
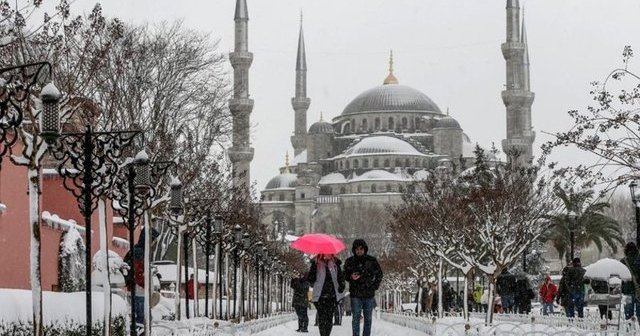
(482, 219)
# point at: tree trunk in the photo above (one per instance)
(440, 306)
(34, 218)
(196, 305)
(492, 282)
(465, 303)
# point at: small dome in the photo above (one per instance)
(321, 127)
(283, 181)
(382, 144)
(421, 175)
(447, 122)
(391, 98)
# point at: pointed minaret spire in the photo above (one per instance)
(517, 96)
(391, 79)
(241, 152)
(321, 119)
(300, 102)
(525, 57)
(286, 163)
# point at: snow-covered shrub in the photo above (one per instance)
(71, 268)
(63, 328)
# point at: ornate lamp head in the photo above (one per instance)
(175, 204)
(50, 116)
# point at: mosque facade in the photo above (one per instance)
(350, 168)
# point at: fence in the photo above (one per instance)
(511, 324)
(207, 327)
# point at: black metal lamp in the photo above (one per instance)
(142, 179)
(259, 248)
(175, 204)
(633, 187)
(50, 120)
(218, 222)
(246, 241)
(572, 228)
(237, 234)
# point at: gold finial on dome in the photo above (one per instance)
(391, 79)
(321, 119)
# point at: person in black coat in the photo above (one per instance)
(326, 276)
(364, 275)
(506, 288)
(524, 295)
(572, 288)
(300, 301)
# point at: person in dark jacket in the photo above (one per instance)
(300, 302)
(326, 276)
(135, 279)
(524, 295)
(506, 288)
(364, 275)
(632, 261)
(573, 283)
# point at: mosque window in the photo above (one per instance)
(281, 197)
(364, 125)
(426, 163)
(365, 163)
(359, 188)
(417, 163)
(271, 197)
(391, 123)
(386, 163)
(374, 188)
(343, 190)
(376, 163)
(377, 124)
(347, 164)
(398, 163)
(340, 164)
(388, 188)
(407, 163)
(347, 128)
(418, 124)
(404, 123)
(401, 189)
(356, 164)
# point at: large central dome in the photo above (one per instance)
(391, 98)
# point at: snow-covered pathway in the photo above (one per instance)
(379, 328)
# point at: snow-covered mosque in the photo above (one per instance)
(348, 169)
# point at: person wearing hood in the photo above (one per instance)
(135, 279)
(364, 275)
(547, 292)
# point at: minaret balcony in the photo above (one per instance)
(240, 105)
(300, 103)
(513, 49)
(241, 59)
(240, 154)
(518, 97)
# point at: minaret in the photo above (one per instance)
(300, 102)
(241, 153)
(517, 96)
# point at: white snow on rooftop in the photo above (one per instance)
(300, 158)
(381, 144)
(56, 222)
(332, 178)
(378, 175)
(168, 273)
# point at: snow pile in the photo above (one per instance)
(57, 307)
(603, 269)
(72, 267)
(115, 267)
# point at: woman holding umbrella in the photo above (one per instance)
(325, 274)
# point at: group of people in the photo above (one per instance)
(328, 279)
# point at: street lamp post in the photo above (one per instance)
(572, 228)
(237, 240)
(131, 191)
(92, 157)
(633, 187)
(246, 244)
(258, 255)
(219, 225)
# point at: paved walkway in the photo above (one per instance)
(379, 328)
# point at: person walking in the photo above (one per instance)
(328, 285)
(136, 280)
(364, 275)
(191, 284)
(506, 288)
(547, 292)
(573, 283)
(300, 302)
(631, 288)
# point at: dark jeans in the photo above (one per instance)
(632, 308)
(303, 318)
(326, 308)
(364, 306)
(508, 303)
(138, 305)
(575, 302)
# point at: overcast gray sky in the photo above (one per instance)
(448, 49)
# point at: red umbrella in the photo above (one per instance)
(318, 243)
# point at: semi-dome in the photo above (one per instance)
(382, 144)
(321, 127)
(283, 181)
(392, 98)
(447, 122)
(332, 178)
